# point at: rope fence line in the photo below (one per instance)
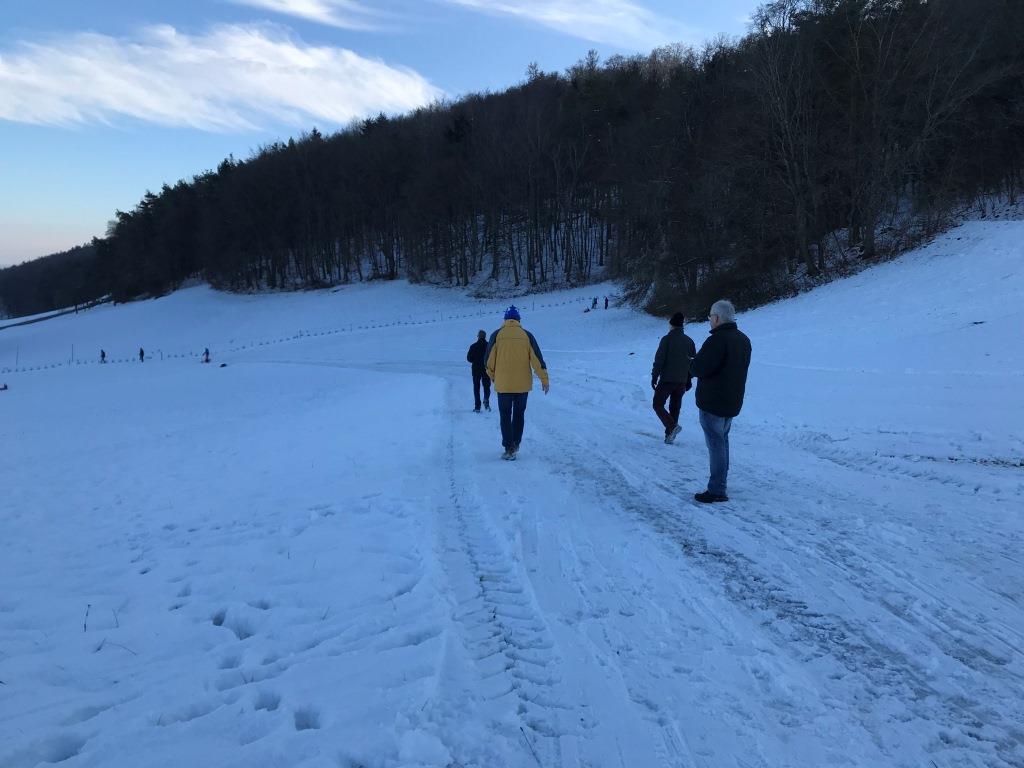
(300, 334)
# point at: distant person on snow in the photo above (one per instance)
(593, 304)
(477, 357)
(103, 356)
(606, 302)
(206, 355)
(670, 375)
(511, 353)
(721, 371)
(142, 355)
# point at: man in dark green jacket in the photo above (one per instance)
(721, 371)
(670, 376)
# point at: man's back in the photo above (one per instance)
(672, 360)
(477, 355)
(721, 367)
(512, 352)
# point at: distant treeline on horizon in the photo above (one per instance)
(728, 170)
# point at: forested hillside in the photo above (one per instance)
(729, 169)
(55, 281)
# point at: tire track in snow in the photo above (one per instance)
(927, 469)
(503, 629)
(845, 548)
(969, 725)
(645, 636)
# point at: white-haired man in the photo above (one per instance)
(721, 370)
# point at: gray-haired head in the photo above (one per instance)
(725, 310)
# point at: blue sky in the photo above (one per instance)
(102, 100)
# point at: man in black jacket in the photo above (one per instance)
(721, 371)
(477, 356)
(670, 376)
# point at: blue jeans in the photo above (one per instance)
(512, 407)
(716, 435)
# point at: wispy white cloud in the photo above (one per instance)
(621, 23)
(234, 77)
(347, 14)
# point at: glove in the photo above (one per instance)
(654, 382)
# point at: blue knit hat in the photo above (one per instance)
(512, 313)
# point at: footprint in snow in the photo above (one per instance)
(268, 701)
(307, 718)
(252, 732)
(63, 747)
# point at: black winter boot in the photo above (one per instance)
(707, 497)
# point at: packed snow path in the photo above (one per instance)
(314, 556)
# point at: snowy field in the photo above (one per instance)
(314, 557)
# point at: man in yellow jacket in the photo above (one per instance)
(511, 353)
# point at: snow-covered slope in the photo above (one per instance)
(314, 557)
(183, 324)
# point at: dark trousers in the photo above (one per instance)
(674, 394)
(478, 379)
(512, 407)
